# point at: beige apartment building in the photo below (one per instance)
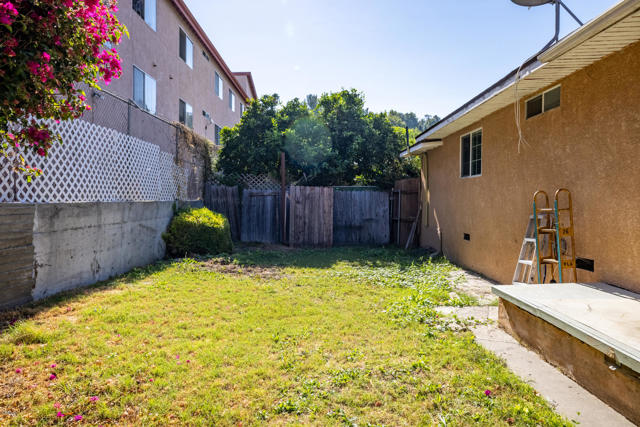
(173, 70)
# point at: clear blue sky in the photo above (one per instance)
(425, 56)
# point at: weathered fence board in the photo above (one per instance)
(225, 200)
(311, 217)
(405, 204)
(260, 216)
(360, 217)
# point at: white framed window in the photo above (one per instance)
(147, 11)
(471, 154)
(144, 90)
(241, 109)
(186, 49)
(542, 103)
(232, 100)
(185, 114)
(217, 130)
(218, 85)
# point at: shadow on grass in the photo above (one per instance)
(11, 316)
(282, 256)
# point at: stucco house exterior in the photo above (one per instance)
(173, 70)
(587, 139)
(567, 118)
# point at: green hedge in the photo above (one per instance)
(198, 231)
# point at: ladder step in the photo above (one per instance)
(547, 211)
(549, 261)
(525, 262)
(547, 230)
(529, 240)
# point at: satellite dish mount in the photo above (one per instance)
(558, 5)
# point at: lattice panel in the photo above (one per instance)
(95, 163)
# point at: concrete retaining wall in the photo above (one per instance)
(49, 248)
(78, 244)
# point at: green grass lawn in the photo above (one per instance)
(325, 337)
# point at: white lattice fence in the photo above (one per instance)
(97, 164)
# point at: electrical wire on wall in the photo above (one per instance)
(558, 4)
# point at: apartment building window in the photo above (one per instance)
(217, 133)
(232, 100)
(218, 85)
(186, 49)
(544, 102)
(185, 114)
(144, 90)
(471, 154)
(241, 109)
(147, 11)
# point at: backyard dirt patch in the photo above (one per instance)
(226, 266)
(475, 285)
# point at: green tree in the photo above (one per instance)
(312, 101)
(308, 146)
(253, 145)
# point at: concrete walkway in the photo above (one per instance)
(566, 396)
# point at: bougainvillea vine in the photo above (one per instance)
(49, 49)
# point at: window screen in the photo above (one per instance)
(186, 49)
(476, 153)
(471, 154)
(149, 94)
(147, 11)
(552, 99)
(465, 167)
(534, 106)
(232, 100)
(218, 85)
(138, 87)
(185, 114)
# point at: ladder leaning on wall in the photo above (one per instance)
(549, 241)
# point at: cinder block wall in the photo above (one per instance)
(49, 248)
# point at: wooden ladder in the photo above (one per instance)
(549, 227)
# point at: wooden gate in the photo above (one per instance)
(405, 205)
(311, 217)
(360, 216)
(260, 216)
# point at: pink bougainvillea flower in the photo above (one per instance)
(487, 393)
(53, 365)
(78, 418)
(46, 56)
(93, 398)
(52, 377)
(59, 414)
(177, 356)
(18, 370)
(150, 380)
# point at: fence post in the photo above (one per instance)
(283, 198)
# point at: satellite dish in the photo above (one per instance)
(532, 3)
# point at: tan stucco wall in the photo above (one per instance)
(590, 144)
(156, 53)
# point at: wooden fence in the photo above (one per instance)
(405, 205)
(260, 216)
(225, 200)
(311, 217)
(360, 217)
(316, 216)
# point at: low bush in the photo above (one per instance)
(198, 231)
